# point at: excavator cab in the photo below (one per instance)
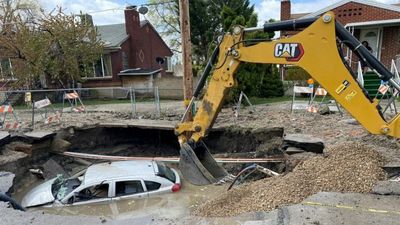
(316, 49)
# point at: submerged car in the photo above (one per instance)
(106, 182)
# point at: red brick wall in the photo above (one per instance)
(355, 12)
(390, 45)
(154, 48)
(285, 9)
(132, 26)
(144, 39)
(91, 83)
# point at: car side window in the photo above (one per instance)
(151, 185)
(128, 187)
(93, 192)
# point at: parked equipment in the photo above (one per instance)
(317, 49)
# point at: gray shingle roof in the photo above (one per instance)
(113, 35)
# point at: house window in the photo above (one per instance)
(371, 34)
(168, 63)
(102, 68)
(125, 61)
(6, 69)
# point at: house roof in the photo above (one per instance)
(297, 15)
(143, 22)
(139, 72)
(113, 35)
(375, 22)
(395, 8)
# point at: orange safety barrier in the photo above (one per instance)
(6, 109)
(72, 95)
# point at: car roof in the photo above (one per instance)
(119, 169)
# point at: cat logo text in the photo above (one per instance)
(291, 51)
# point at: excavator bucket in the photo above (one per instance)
(198, 166)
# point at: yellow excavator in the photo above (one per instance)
(317, 49)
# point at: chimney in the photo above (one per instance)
(285, 10)
(132, 20)
(87, 19)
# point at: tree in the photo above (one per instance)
(211, 18)
(164, 15)
(258, 80)
(206, 19)
(51, 46)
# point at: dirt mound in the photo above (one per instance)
(349, 167)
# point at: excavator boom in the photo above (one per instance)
(315, 49)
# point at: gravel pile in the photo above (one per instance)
(349, 167)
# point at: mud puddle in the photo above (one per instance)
(171, 205)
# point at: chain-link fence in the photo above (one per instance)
(29, 107)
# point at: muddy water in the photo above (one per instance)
(171, 205)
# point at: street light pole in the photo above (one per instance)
(186, 54)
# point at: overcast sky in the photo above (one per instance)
(113, 13)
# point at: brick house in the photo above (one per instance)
(377, 23)
(134, 54)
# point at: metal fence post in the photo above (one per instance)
(133, 101)
(157, 101)
(33, 113)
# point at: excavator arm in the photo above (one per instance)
(315, 49)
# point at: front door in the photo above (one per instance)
(372, 36)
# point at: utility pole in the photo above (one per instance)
(186, 54)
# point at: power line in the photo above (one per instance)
(122, 8)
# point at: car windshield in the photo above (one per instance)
(61, 187)
(166, 172)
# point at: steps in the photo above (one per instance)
(372, 83)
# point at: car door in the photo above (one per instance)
(129, 188)
(94, 193)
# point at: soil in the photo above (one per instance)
(349, 167)
(346, 166)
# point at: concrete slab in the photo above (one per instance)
(387, 188)
(52, 169)
(116, 125)
(149, 124)
(6, 181)
(4, 137)
(11, 156)
(332, 209)
(39, 135)
(361, 201)
(305, 142)
(294, 150)
(392, 168)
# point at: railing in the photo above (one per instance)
(47, 106)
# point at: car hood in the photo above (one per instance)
(39, 195)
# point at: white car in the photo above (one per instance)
(106, 182)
